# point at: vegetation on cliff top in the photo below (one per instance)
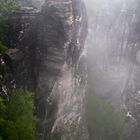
(6, 6)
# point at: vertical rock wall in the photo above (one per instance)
(53, 65)
(61, 82)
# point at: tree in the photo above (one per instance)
(2, 118)
(6, 6)
(3, 48)
(104, 121)
(17, 119)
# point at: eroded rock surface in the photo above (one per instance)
(53, 65)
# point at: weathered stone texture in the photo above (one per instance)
(52, 42)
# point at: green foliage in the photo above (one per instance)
(17, 121)
(3, 109)
(3, 48)
(6, 6)
(104, 121)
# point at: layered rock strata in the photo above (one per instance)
(53, 65)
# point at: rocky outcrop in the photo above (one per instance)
(53, 65)
(21, 37)
(61, 82)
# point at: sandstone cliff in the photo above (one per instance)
(53, 64)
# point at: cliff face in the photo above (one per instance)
(61, 80)
(22, 39)
(53, 65)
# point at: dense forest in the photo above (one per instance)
(69, 70)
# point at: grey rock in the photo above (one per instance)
(52, 42)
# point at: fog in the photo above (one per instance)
(110, 39)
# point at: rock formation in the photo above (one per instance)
(53, 65)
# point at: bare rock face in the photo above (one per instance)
(62, 78)
(22, 39)
(54, 65)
